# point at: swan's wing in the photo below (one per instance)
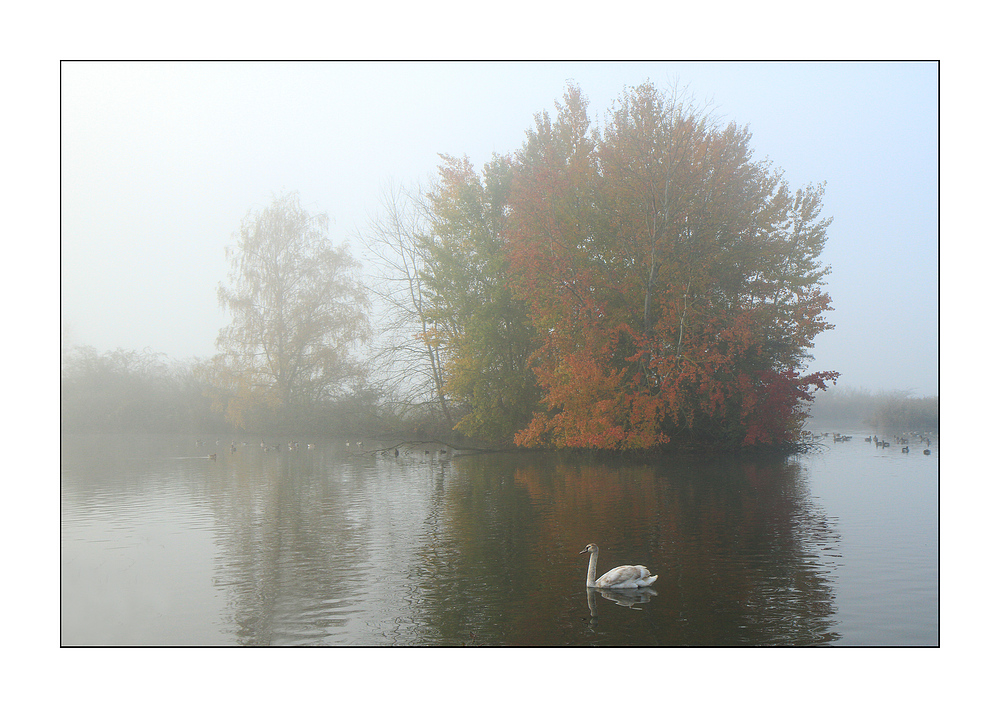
(645, 578)
(623, 575)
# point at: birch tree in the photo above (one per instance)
(298, 312)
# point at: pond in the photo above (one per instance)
(346, 543)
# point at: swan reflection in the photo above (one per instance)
(626, 598)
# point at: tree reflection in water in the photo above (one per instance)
(745, 557)
(318, 547)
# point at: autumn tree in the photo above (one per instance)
(482, 328)
(675, 279)
(298, 311)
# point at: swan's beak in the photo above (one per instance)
(583, 551)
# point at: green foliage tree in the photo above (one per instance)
(482, 327)
(298, 310)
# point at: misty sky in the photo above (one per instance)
(161, 161)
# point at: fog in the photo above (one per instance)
(160, 162)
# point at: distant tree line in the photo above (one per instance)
(126, 391)
(889, 411)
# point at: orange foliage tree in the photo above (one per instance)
(673, 281)
(644, 284)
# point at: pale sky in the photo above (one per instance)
(161, 161)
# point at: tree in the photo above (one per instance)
(483, 330)
(297, 312)
(409, 356)
(674, 280)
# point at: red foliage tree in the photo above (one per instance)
(673, 282)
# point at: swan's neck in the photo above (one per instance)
(592, 570)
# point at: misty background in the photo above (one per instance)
(161, 161)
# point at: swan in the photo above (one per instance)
(621, 578)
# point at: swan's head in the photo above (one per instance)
(591, 548)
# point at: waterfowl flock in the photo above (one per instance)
(357, 447)
(267, 447)
(405, 452)
(903, 440)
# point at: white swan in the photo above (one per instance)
(622, 578)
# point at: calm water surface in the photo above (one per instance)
(340, 546)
